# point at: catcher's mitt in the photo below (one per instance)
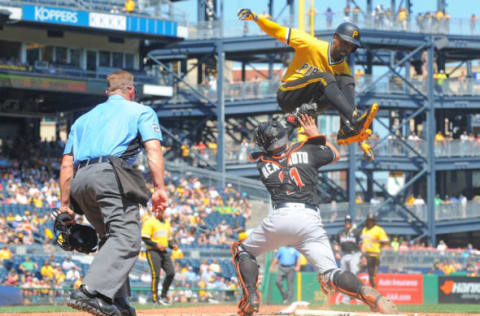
(70, 236)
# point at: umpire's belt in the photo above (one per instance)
(296, 205)
(91, 161)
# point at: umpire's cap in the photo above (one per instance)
(348, 219)
(349, 32)
(271, 135)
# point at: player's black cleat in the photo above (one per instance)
(376, 301)
(92, 303)
(306, 108)
(358, 130)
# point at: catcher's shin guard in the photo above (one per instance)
(348, 284)
(247, 272)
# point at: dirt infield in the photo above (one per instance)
(213, 310)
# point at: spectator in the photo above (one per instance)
(356, 12)
(129, 6)
(329, 17)
(5, 254)
(420, 22)
(473, 22)
(12, 278)
(347, 12)
(73, 274)
(442, 247)
(47, 270)
(68, 264)
(28, 265)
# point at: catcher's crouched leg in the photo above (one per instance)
(247, 273)
(347, 283)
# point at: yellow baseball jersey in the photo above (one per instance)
(311, 54)
(372, 239)
(159, 232)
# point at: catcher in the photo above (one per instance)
(319, 77)
(290, 175)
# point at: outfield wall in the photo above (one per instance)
(414, 289)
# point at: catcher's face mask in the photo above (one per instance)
(271, 136)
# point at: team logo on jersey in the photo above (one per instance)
(355, 34)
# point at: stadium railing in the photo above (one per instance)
(444, 212)
(236, 28)
(254, 90)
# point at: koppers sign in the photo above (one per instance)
(459, 289)
(54, 15)
(400, 288)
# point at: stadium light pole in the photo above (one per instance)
(430, 122)
(220, 98)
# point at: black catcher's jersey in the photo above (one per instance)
(293, 176)
(348, 240)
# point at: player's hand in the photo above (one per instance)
(272, 269)
(160, 247)
(64, 209)
(308, 124)
(159, 200)
(246, 15)
(297, 269)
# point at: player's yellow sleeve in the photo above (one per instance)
(273, 29)
(147, 229)
(169, 231)
(299, 39)
(382, 235)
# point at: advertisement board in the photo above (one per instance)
(400, 288)
(459, 289)
(47, 14)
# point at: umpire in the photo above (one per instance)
(157, 233)
(97, 180)
(289, 259)
(348, 238)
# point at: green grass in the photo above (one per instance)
(438, 308)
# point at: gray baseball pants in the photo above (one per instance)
(94, 188)
(350, 262)
(287, 273)
(298, 227)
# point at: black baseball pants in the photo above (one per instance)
(372, 266)
(322, 88)
(160, 260)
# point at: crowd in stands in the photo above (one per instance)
(201, 217)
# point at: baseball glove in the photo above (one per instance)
(70, 236)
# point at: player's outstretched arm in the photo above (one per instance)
(268, 26)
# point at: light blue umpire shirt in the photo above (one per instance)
(117, 127)
(287, 256)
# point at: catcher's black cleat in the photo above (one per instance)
(92, 303)
(249, 304)
(358, 130)
(125, 308)
(376, 301)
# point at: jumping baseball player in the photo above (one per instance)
(289, 172)
(319, 77)
(349, 238)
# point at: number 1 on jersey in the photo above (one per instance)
(294, 174)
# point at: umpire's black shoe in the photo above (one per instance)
(92, 303)
(124, 306)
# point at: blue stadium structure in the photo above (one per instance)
(426, 170)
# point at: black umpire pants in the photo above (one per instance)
(160, 260)
(372, 265)
(285, 273)
(322, 88)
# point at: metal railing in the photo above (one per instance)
(255, 90)
(236, 28)
(443, 212)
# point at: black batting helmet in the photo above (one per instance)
(349, 32)
(348, 219)
(271, 136)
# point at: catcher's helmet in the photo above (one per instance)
(349, 32)
(271, 136)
